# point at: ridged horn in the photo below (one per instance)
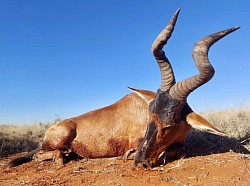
(167, 75)
(182, 89)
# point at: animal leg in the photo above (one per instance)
(22, 159)
(129, 155)
(55, 155)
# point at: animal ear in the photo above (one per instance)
(146, 95)
(198, 122)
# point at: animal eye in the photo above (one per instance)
(165, 128)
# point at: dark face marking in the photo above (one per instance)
(145, 147)
(166, 113)
(165, 107)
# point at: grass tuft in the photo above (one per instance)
(234, 122)
(21, 138)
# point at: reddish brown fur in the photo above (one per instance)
(106, 132)
(62, 137)
(82, 149)
(160, 125)
(176, 133)
(109, 131)
(117, 147)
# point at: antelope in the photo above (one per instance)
(128, 125)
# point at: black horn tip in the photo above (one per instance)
(174, 19)
(176, 14)
(219, 35)
(236, 27)
(211, 39)
(232, 29)
(130, 88)
(225, 32)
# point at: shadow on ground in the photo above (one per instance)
(202, 144)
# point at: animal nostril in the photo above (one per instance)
(146, 165)
(142, 163)
(138, 164)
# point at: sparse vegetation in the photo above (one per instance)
(234, 122)
(20, 138)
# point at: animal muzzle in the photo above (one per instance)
(146, 147)
(142, 163)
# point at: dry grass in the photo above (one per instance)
(20, 138)
(236, 123)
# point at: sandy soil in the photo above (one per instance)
(228, 168)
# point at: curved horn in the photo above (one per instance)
(167, 75)
(182, 89)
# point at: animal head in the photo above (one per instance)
(170, 115)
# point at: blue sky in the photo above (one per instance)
(64, 58)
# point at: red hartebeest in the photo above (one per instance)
(119, 129)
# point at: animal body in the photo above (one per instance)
(119, 129)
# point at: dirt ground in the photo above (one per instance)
(228, 168)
